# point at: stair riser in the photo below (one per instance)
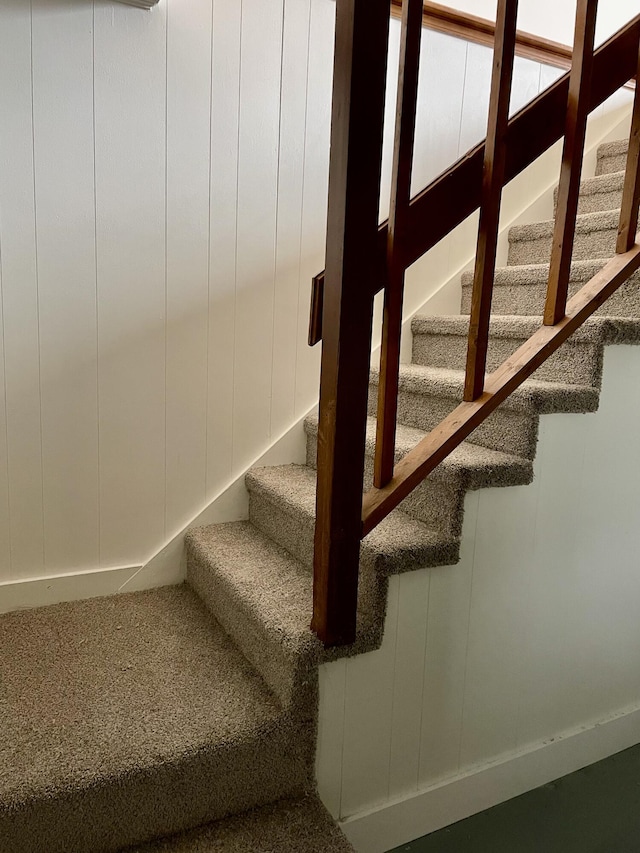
(140, 807)
(577, 363)
(593, 244)
(432, 502)
(596, 202)
(295, 533)
(265, 652)
(529, 299)
(607, 164)
(508, 430)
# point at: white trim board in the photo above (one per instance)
(141, 4)
(401, 821)
(39, 592)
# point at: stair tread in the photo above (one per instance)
(478, 466)
(602, 220)
(399, 543)
(536, 395)
(536, 274)
(101, 697)
(614, 148)
(288, 826)
(606, 183)
(597, 329)
(272, 586)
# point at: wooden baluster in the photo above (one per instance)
(492, 183)
(360, 62)
(572, 155)
(398, 217)
(631, 192)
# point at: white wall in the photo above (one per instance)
(555, 20)
(531, 640)
(163, 182)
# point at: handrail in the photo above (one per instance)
(472, 28)
(343, 515)
(455, 194)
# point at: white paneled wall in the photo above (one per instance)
(163, 182)
(534, 634)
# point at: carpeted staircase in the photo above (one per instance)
(189, 713)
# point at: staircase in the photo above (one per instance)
(189, 713)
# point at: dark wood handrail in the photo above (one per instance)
(343, 515)
(456, 193)
(452, 22)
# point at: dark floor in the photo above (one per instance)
(596, 810)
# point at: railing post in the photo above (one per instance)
(631, 192)
(361, 46)
(572, 156)
(495, 157)
(396, 235)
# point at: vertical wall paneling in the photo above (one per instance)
(408, 681)
(475, 108)
(258, 138)
(608, 605)
(496, 631)
(189, 36)
(548, 698)
(315, 190)
(290, 290)
(130, 105)
(225, 106)
(368, 715)
(20, 292)
(5, 525)
(443, 60)
(526, 83)
(446, 658)
(331, 734)
(438, 116)
(65, 214)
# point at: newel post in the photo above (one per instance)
(361, 44)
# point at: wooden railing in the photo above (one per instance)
(473, 28)
(363, 257)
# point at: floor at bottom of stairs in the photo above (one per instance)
(288, 826)
(595, 810)
(134, 717)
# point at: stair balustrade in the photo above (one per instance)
(364, 257)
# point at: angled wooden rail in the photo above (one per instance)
(457, 192)
(344, 516)
(473, 28)
(457, 426)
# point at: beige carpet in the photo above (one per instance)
(133, 719)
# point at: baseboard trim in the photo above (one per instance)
(403, 820)
(39, 592)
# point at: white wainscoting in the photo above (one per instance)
(532, 637)
(163, 182)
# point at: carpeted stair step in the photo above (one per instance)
(612, 157)
(439, 500)
(288, 826)
(595, 237)
(134, 717)
(429, 394)
(262, 596)
(522, 290)
(282, 504)
(442, 342)
(604, 192)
